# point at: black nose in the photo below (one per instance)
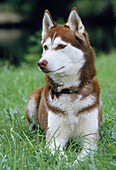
(42, 64)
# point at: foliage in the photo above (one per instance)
(23, 7)
(92, 8)
(97, 16)
(102, 38)
(21, 148)
(86, 7)
(113, 2)
(23, 50)
(34, 8)
(34, 49)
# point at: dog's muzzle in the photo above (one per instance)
(42, 65)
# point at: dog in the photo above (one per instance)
(69, 104)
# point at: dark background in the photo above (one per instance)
(20, 25)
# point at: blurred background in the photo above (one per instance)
(20, 26)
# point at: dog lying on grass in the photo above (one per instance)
(69, 104)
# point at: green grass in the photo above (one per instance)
(21, 148)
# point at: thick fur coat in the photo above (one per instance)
(69, 104)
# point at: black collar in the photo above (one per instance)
(63, 91)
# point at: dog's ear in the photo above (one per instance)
(75, 23)
(47, 23)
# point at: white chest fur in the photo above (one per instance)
(72, 124)
(71, 104)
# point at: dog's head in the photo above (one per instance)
(66, 48)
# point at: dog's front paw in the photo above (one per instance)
(81, 157)
(63, 155)
(75, 162)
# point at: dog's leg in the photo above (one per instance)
(58, 134)
(56, 142)
(89, 147)
(89, 128)
(32, 107)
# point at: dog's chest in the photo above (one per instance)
(71, 104)
(69, 120)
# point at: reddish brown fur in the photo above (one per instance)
(37, 96)
(92, 88)
(88, 73)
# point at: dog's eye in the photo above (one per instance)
(61, 46)
(45, 47)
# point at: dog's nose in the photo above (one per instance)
(42, 63)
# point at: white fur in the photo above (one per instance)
(64, 67)
(70, 58)
(66, 103)
(53, 38)
(75, 22)
(47, 24)
(71, 126)
(32, 110)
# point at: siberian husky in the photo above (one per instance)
(69, 104)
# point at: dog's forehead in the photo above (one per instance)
(60, 31)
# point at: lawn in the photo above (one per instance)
(21, 148)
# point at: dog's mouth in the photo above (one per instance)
(47, 71)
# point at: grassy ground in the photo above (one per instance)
(24, 149)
